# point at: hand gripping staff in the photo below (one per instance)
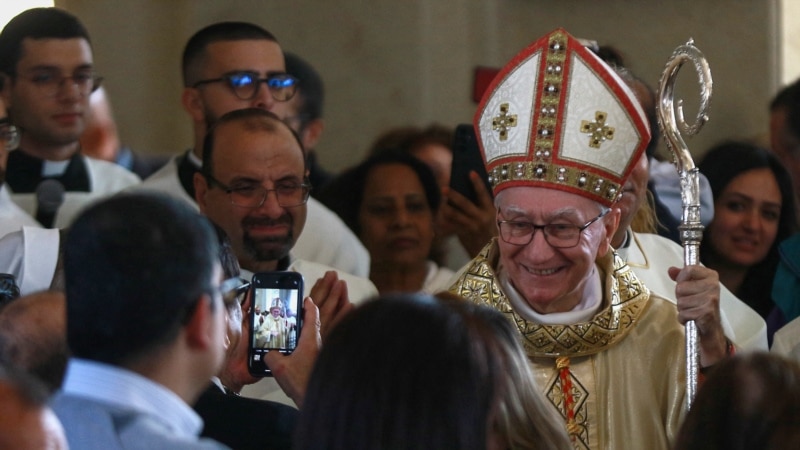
(672, 124)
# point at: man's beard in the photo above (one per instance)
(277, 247)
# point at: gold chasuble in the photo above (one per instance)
(618, 380)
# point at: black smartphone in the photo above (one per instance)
(275, 317)
(466, 158)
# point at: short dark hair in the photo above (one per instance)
(410, 139)
(747, 401)
(30, 390)
(227, 257)
(251, 119)
(345, 193)
(218, 32)
(721, 164)
(135, 266)
(432, 388)
(310, 88)
(788, 99)
(32, 336)
(36, 23)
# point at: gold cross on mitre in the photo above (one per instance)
(598, 129)
(504, 121)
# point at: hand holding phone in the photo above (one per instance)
(467, 158)
(275, 317)
(293, 371)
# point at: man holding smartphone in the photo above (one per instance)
(254, 186)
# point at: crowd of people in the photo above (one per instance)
(544, 311)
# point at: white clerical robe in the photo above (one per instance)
(31, 256)
(650, 255)
(12, 217)
(105, 179)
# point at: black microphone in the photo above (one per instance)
(49, 197)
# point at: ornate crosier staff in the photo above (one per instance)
(672, 124)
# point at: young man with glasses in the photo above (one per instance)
(560, 133)
(12, 217)
(48, 75)
(235, 65)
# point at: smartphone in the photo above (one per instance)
(466, 158)
(275, 317)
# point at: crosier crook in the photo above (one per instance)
(672, 124)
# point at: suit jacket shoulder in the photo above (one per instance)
(245, 423)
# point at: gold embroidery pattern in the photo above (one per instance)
(541, 167)
(628, 300)
(600, 132)
(504, 121)
(552, 173)
(550, 96)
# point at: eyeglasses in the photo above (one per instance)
(254, 195)
(50, 82)
(558, 235)
(9, 134)
(234, 290)
(231, 290)
(245, 85)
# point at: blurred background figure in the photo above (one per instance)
(12, 217)
(392, 204)
(33, 336)
(304, 114)
(754, 212)
(463, 227)
(101, 140)
(26, 422)
(459, 381)
(784, 131)
(750, 401)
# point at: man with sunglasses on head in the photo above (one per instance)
(234, 65)
(48, 74)
(12, 217)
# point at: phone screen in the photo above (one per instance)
(275, 316)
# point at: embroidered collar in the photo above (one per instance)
(625, 300)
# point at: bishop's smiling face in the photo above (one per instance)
(552, 279)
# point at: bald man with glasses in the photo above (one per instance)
(229, 66)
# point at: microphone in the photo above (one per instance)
(49, 197)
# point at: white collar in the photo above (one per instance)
(589, 305)
(121, 387)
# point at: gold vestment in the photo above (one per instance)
(623, 372)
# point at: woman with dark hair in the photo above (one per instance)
(445, 385)
(749, 401)
(390, 202)
(753, 212)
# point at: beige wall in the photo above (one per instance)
(389, 62)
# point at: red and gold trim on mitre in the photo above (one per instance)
(556, 116)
